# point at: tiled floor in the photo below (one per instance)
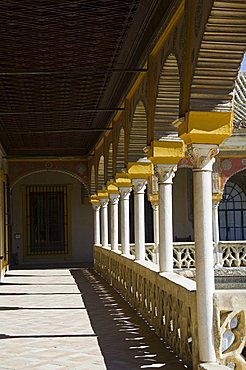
(55, 319)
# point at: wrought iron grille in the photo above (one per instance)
(47, 219)
(232, 213)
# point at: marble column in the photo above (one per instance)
(125, 219)
(104, 221)
(216, 234)
(155, 207)
(96, 214)
(114, 220)
(139, 186)
(165, 174)
(202, 156)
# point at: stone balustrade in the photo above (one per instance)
(233, 254)
(230, 328)
(167, 301)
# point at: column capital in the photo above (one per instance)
(165, 172)
(139, 185)
(114, 198)
(104, 202)
(125, 192)
(202, 155)
(96, 206)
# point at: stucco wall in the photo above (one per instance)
(81, 218)
(183, 205)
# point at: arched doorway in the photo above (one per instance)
(52, 223)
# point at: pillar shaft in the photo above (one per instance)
(125, 219)
(104, 221)
(96, 214)
(216, 233)
(139, 186)
(202, 157)
(165, 176)
(114, 200)
(155, 207)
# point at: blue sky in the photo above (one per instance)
(243, 65)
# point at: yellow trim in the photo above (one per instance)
(153, 198)
(171, 24)
(102, 194)
(188, 44)
(117, 115)
(206, 127)
(220, 155)
(216, 197)
(166, 152)
(122, 180)
(136, 84)
(112, 188)
(140, 170)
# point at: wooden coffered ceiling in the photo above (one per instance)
(60, 61)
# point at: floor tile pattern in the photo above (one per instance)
(55, 319)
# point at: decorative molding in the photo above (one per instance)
(139, 185)
(165, 173)
(202, 155)
(104, 202)
(96, 206)
(125, 192)
(114, 199)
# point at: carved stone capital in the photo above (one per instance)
(125, 192)
(202, 156)
(139, 185)
(104, 202)
(114, 198)
(165, 173)
(96, 206)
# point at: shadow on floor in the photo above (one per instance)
(125, 339)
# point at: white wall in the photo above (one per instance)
(81, 218)
(183, 205)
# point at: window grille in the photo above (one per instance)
(232, 213)
(46, 219)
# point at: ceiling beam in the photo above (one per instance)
(74, 72)
(70, 130)
(23, 113)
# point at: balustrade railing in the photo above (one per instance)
(232, 254)
(230, 328)
(167, 301)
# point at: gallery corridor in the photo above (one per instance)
(71, 319)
